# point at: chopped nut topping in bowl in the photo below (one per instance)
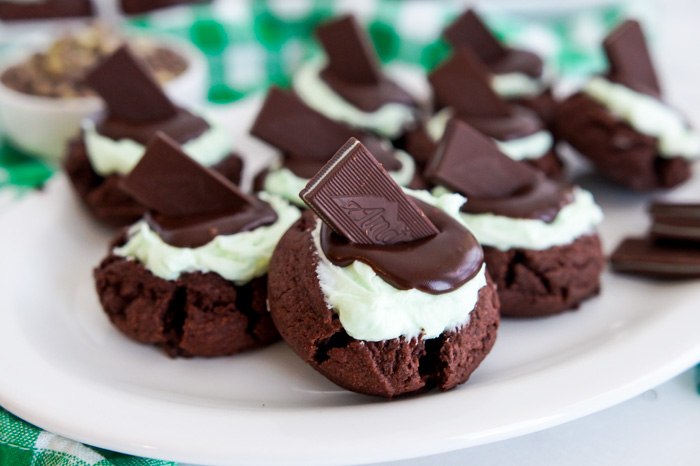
(43, 98)
(59, 71)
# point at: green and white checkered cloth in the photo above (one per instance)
(23, 444)
(250, 44)
(254, 43)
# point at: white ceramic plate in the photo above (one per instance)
(67, 370)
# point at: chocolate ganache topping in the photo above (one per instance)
(189, 205)
(469, 30)
(367, 217)
(353, 70)
(471, 164)
(462, 83)
(434, 265)
(137, 107)
(307, 138)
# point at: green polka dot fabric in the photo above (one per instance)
(248, 48)
(250, 44)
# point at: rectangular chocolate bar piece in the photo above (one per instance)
(675, 222)
(44, 9)
(287, 123)
(463, 83)
(358, 199)
(644, 256)
(468, 29)
(133, 7)
(172, 184)
(470, 163)
(350, 56)
(131, 93)
(629, 58)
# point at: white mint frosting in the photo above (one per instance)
(239, 257)
(649, 116)
(372, 310)
(282, 182)
(108, 156)
(532, 146)
(576, 219)
(389, 120)
(512, 85)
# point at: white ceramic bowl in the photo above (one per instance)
(42, 126)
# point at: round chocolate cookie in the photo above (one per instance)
(617, 150)
(199, 314)
(387, 368)
(534, 283)
(102, 195)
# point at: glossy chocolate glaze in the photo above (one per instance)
(541, 201)
(517, 61)
(197, 230)
(522, 122)
(435, 265)
(183, 127)
(368, 97)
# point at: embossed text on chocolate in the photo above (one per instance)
(376, 216)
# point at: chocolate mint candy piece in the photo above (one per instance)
(170, 183)
(131, 93)
(643, 256)
(468, 29)
(629, 58)
(470, 163)
(14, 10)
(675, 222)
(463, 84)
(189, 205)
(357, 198)
(133, 7)
(350, 56)
(286, 122)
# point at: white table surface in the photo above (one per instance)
(659, 427)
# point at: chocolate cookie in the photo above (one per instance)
(386, 368)
(102, 196)
(199, 314)
(535, 283)
(618, 151)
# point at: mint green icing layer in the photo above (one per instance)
(108, 156)
(649, 116)
(532, 146)
(282, 182)
(239, 257)
(389, 120)
(574, 220)
(372, 310)
(512, 85)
